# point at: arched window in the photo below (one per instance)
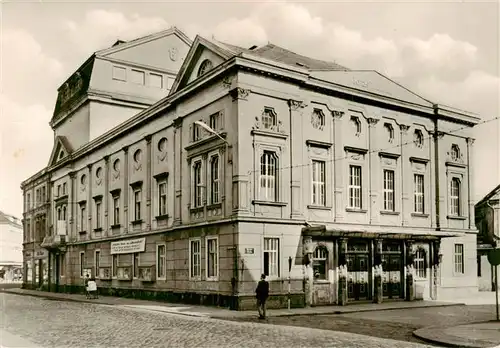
(59, 214)
(205, 66)
(64, 212)
(269, 118)
(455, 152)
(268, 176)
(320, 259)
(420, 264)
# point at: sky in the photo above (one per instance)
(446, 51)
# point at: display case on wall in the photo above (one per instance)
(147, 273)
(105, 273)
(124, 273)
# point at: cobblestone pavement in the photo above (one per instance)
(394, 324)
(51, 323)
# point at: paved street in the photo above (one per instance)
(51, 323)
(396, 324)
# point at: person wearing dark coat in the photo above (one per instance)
(262, 293)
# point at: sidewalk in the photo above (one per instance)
(479, 335)
(221, 313)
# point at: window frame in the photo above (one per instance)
(162, 183)
(97, 262)
(163, 263)
(193, 276)
(318, 183)
(137, 196)
(215, 121)
(83, 215)
(351, 199)
(197, 196)
(460, 270)
(321, 259)
(278, 252)
(388, 191)
(455, 198)
(82, 263)
(420, 260)
(269, 167)
(98, 213)
(135, 264)
(115, 258)
(116, 209)
(417, 194)
(214, 277)
(215, 184)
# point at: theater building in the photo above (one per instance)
(261, 160)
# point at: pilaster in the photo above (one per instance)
(71, 206)
(149, 162)
(374, 169)
(470, 179)
(339, 165)
(296, 153)
(178, 171)
(406, 177)
(105, 201)
(126, 190)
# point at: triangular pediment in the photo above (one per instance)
(372, 82)
(60, 150)
(203, 55)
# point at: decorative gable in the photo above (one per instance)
(60, 151)
(203, 56)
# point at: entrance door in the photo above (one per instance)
(357, 267)
(392, 277)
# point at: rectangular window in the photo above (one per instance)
(114, 265)
(355, 187)
(28, 201)
(83, 217)
(161, 261)
(82, 262)
(212, 258)
(455, 197)
(64, 188)
(318, 183)
(137, 204)
(44, 195)
(119, 73)
(420, 264)
(198, 185)
(137, 77)
(58, 190)
(196, 132)
(215, 121)
(389, 190)
(162, 198)
(195, 258)
(272, 257)
(97, 262)
(214, 179)
(135, 265)
(156, 80)
(459, 258)
(269, 176)
(116, 210)
(418, 194)
(98, 214)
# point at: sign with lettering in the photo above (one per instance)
(128, 246)
(249, 251)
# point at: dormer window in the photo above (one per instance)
(205, 66)
(455, 152)
(269, 118)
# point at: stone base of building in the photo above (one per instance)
(240, 303)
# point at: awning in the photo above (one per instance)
(374, 232)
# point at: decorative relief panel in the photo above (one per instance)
(389, 130)
(418, 138)
(98, 176)
(318, 119)
(83, 182)
(388, 161)
(455, 155)
(356, 125)
(137, 160)
(268, 121)
(116, 170)
(162, 150)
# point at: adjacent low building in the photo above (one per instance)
(488, 238)
(11, 247)
(261, 160)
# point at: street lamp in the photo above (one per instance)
(210, 130)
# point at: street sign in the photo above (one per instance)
(494, 257)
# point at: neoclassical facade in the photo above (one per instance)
(259, 161)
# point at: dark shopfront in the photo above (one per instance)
(361, 253)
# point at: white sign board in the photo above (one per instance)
(128, 246)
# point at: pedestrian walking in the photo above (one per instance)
(262, 293)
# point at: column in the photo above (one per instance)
(72, 206)
(125, 190)
(296, 109)
(309, 276)
(178, 171)
(343, 272)
(436, 260)
(148, 181)
(406, 177)
(339, 170)
(378, 287)
(409, 285)
(105, 199)
(374, 169)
